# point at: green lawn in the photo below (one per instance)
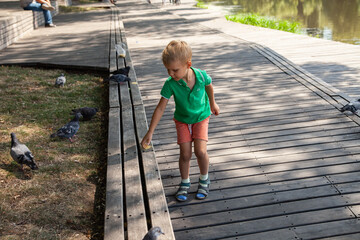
(266, 22)
(64, 199)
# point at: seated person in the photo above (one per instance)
(40, 5)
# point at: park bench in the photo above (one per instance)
(135, 199)
(16, 22)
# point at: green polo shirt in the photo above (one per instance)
(191, 106)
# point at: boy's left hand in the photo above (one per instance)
(215, 109)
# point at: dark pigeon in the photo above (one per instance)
(60, 81)
(353, 106)
(86, 112)
(68, 130)
(119, 78)
(21, 153)
(125, 71)
(153, 234)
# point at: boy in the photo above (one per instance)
(194, 101)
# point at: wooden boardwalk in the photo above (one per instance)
(284, 160)
(334, 62)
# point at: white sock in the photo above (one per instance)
(204, 177)
(187, 180)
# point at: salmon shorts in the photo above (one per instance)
(189, 132)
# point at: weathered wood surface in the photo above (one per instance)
(140, 196)
(335, 63)
(114, 212)
(284, 162)
(155, 195)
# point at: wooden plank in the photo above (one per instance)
(347, 177)
(348, 187)
(112, 57)
(135, 92)
(256, 200)
(114, 216)
(268, 143)
(172, 163)
(280, 234)
(252, 140)
(356, 209)
(328, 229)
(350, 236)
(135, 208)
(290, 220)
(271, 151)
(270, 127)
(267, 178)
(119, 60)
(250, 189)
(249, 214)
(159, 211)
(113, 95)
(281, 165)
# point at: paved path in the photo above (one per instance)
(284, 160)
(88, 48)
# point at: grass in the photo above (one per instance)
(63, 199)
(266, 22)
(85, 1)
(75, 9)
(201, 4)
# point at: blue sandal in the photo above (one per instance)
(182, 192)
(203, 191)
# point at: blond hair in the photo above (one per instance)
(176, 50)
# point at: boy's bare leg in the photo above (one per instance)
(200, 149)
(184, 166)
(184, 159)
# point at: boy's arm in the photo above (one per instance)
(213, 106)
(158, 112)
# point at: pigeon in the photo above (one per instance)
(153, 234)
(86, 112)
(125, 71)
(119, 78)
(21, 153)
(353, 106)
(60, 81)
(68, 130)
(120, 50)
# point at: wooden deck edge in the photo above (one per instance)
(114, 216)
(329, 93)
(157, 204)
(135, 198)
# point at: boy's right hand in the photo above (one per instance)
(145, 143)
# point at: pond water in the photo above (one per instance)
(337, 20)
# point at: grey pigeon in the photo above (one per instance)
(69, 129)
(21, 153)
(153, 234)
(125, 71)
(353, 106)
(86, 112)
(60, 81)
(119, 78)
